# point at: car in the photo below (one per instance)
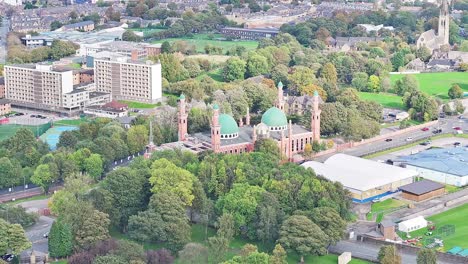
(388, 140)
(425, 143)
(376, 200)
(43, 117)
(457, 128)
(442, 115)
(460, 117)
(46, 235)
(437, 131)
(456, 144)
(8, 257)
(33, 116)
(19, 114)
(409, 139)
(425, 129)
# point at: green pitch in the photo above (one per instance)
(384, 99)
(438, 83)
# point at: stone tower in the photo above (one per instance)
(215, 130)
(182, 118)
(444, 24)
(315, 117)
(280, 99)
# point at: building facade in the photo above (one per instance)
(249, 33)
(126, 79)
(5, 107)
(2, 87)
(32, 42)
(432, 40)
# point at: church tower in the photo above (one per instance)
(280, 99)
(182, 118)
(444, 24)
(215, 130)
(315, 117)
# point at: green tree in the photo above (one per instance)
(109, 259)
(13, 237)
(67, 139)
(389, 255)
(279, 255)
(455, 92)
(406, 84)
(373, 84)
(269, 218)
(94, 166)
(234, 69)
(226, 226)
(43, 177)
(330, 222)
(129, 35)
(426, 256)
(268, 146)
(423, 53)
(166, 47)
(360, 81)
(328, 72)
(218, 248)
(60, 240)
(300, 78)
(10, 172)
(137, 138)
(55, 25)
(301, 235)
(256, 65)
(193, 253)
(163, 176)
(398, 60)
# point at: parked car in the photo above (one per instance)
(457, 128)
(376, 200)
(425, 143)
(456, 144)
(46, 235)
(437, 131)
(388, 139)
(425, 129)
(33, 116)
(409, 139)
(8, 257)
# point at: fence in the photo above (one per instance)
(8, 130)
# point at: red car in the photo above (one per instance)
(425, 129)
(457, 128)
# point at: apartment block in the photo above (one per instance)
(127, 79)
(41, 85)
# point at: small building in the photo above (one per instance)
(422, 190)
(105, 111)
(412, 224)
(126, 121)
(401, 116)
(83, 26)
(387, 229)
(5, 107)
(365, 179)
(249, 33)
(32, 42)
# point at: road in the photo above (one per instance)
(35, 233)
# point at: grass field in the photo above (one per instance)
(216, 74)
(8, 130)
(199, 236)
(201, 40)
(438, 84)
(379, 208)
(140, 105)
(456, 217)
(147, 31)
(71, 122)
(386, 100)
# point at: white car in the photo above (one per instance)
(409, 139)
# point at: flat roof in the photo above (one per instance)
(265, 30)
(4, 101)
(452, 161)
(358, 173)
(421, 187)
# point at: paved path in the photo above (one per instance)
(4, 28)
(35, 233)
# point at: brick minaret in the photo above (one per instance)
(247, 117)
(315, 117)
(215, 130)
(182, 118)
(280, 98)
(290, 145)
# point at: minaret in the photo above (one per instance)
(315, 117)
(254, 134)
(182, 118)
(280, 99)
(290, 143)
(444, 24)
(247, 117)
(215, 130)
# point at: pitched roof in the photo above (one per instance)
(421, 187)
(79, 24)
(115, 105)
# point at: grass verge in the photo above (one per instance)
(385, 99)
(34, 198)
(140, 105)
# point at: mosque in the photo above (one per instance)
(430, 39)
(228, 136)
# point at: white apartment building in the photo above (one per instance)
(41, 85)
(12, 2)
(126, 79)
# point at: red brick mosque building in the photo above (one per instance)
(227, 136)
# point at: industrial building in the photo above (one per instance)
(422, 190)
(448, 166)
(365, 179)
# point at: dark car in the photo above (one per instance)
(33, 116)
(457, 144)
(425, 143)
(19, 114)
(8, 257)
(437, 131)
(388, 140)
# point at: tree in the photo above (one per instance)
(60, 240)
(13, 237)
(234, 69)
(256, 65)
(406, 84)
(43, 177)
(137, 138)
(398, 60)
(423, 53)
(94, 166)
(279, 255)
(166, 47)
(330, 222)
(268, 146)
(426, 256)
(226, 226)
(360, 81)
(389, 255)
(301, 235)
(328, 72)
(67, 139)
(160, 256)
(193, 253)
(91, 228)
(109, 259)
(218, 247)
(10, 172)
(301, 77)
(129, 35)
(373, 85)
(455, 92)
(269, 218)
(163, 176)
(55, 25)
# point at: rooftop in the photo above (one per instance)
(266, 30)
(79, 24)
(451, 161)
(358, 173)
(421, 187)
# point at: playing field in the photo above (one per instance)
(201, 40)
(52, 135)
(385, 99)
(8, 130)
(438, 83)
(457, 217)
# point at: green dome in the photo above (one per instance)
(274, 117)
(280, 84)
(182, 96)
(215, 106)
(228, 124)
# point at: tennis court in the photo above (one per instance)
(52, 135)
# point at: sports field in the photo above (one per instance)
(385, 99)
(52, 135)
(201, 40)
(438, 83)
(457, 217)
(8, 130)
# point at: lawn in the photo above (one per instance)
(147, 31)
(437, 84)
(380, 208)
(71, 122)
(385, 99)
(201, 40)
(8, 130)
(140, 105)
(216, 74)
(456, 217)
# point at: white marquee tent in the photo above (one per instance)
(412, 224)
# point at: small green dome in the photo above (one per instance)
(280, 84)
(316, 93)
(215, 106)
(228, 124)
(182, 96)
(274, 117)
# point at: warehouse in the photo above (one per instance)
(422, 190)
(448, 166)
(365, 179)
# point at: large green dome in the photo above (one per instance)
(228, 124)
(274, 117)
